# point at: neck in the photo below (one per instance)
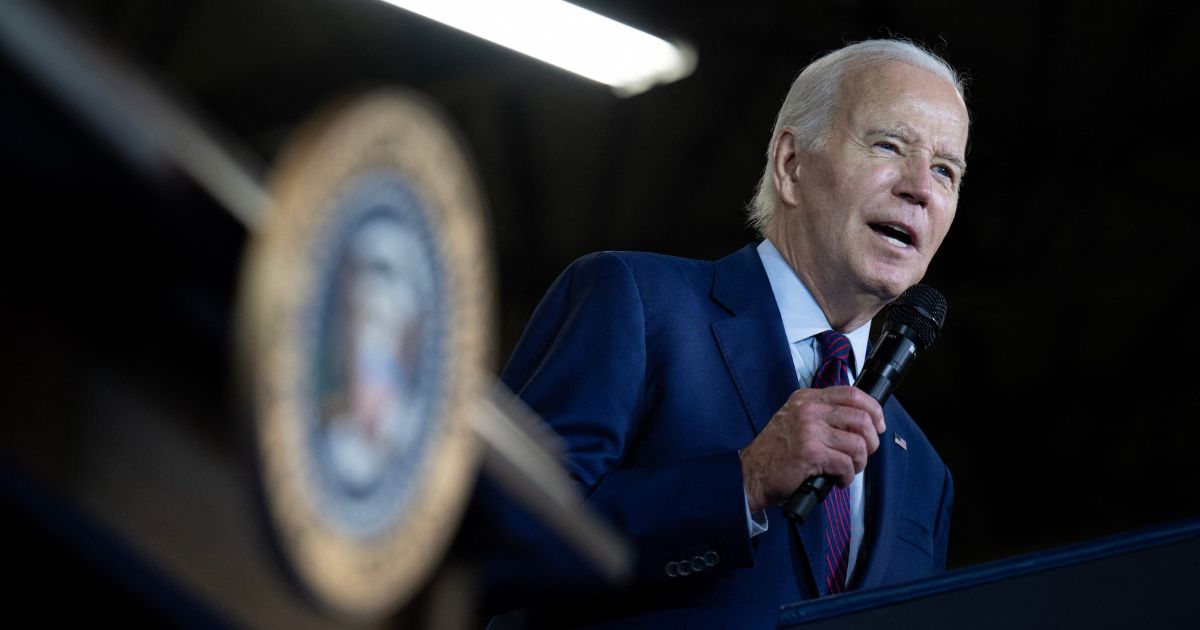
(845, 308)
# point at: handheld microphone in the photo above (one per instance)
(912, 322)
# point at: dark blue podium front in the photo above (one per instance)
(1145, 579)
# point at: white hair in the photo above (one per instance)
(809, 106)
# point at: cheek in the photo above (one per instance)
(854, 196)
(876, 172)
(942, 222)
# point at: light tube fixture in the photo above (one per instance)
(567, 36)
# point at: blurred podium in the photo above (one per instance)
(1143, 579)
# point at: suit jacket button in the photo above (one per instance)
(698, 564)
(672, 570)
(711, 559)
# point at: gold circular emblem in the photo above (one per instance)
(365, 325)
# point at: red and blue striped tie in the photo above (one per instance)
(834, 369)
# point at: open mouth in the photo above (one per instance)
(896, 234)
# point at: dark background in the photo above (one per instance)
(1057, 392)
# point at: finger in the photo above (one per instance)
(848, 444)
(847, 396)
(854, 421)
(812, 415)
(841, 467)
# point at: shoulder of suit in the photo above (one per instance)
(644, 266)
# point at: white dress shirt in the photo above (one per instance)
(802, 321)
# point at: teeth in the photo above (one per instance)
(893, 234)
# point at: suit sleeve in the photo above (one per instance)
(582, 365)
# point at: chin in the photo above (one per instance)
(890, 292)
(888, 286)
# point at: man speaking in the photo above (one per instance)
(695, 397)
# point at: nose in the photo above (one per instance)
(915, 184)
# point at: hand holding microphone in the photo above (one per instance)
(913, 322)
(823, 436)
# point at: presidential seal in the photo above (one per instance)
(365, 330)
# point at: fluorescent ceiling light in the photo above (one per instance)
(567, 36)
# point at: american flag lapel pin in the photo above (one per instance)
(899, 441)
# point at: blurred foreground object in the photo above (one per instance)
(365, 339)
(365, 325)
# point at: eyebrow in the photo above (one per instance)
(904, 136)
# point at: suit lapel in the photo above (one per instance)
(752, 341)
(755, 349)
(886, 471)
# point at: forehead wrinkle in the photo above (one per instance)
(898, 131)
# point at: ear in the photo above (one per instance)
(784, 164)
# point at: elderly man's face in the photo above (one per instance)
(874, 204)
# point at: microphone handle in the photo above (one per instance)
(884, 368)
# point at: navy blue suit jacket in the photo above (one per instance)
(656, 371)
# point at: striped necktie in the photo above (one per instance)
(834, 369)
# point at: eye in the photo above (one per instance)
(944, 171)
(887, 146)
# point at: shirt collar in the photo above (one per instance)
(802, 317)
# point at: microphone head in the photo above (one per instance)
(923, 309)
